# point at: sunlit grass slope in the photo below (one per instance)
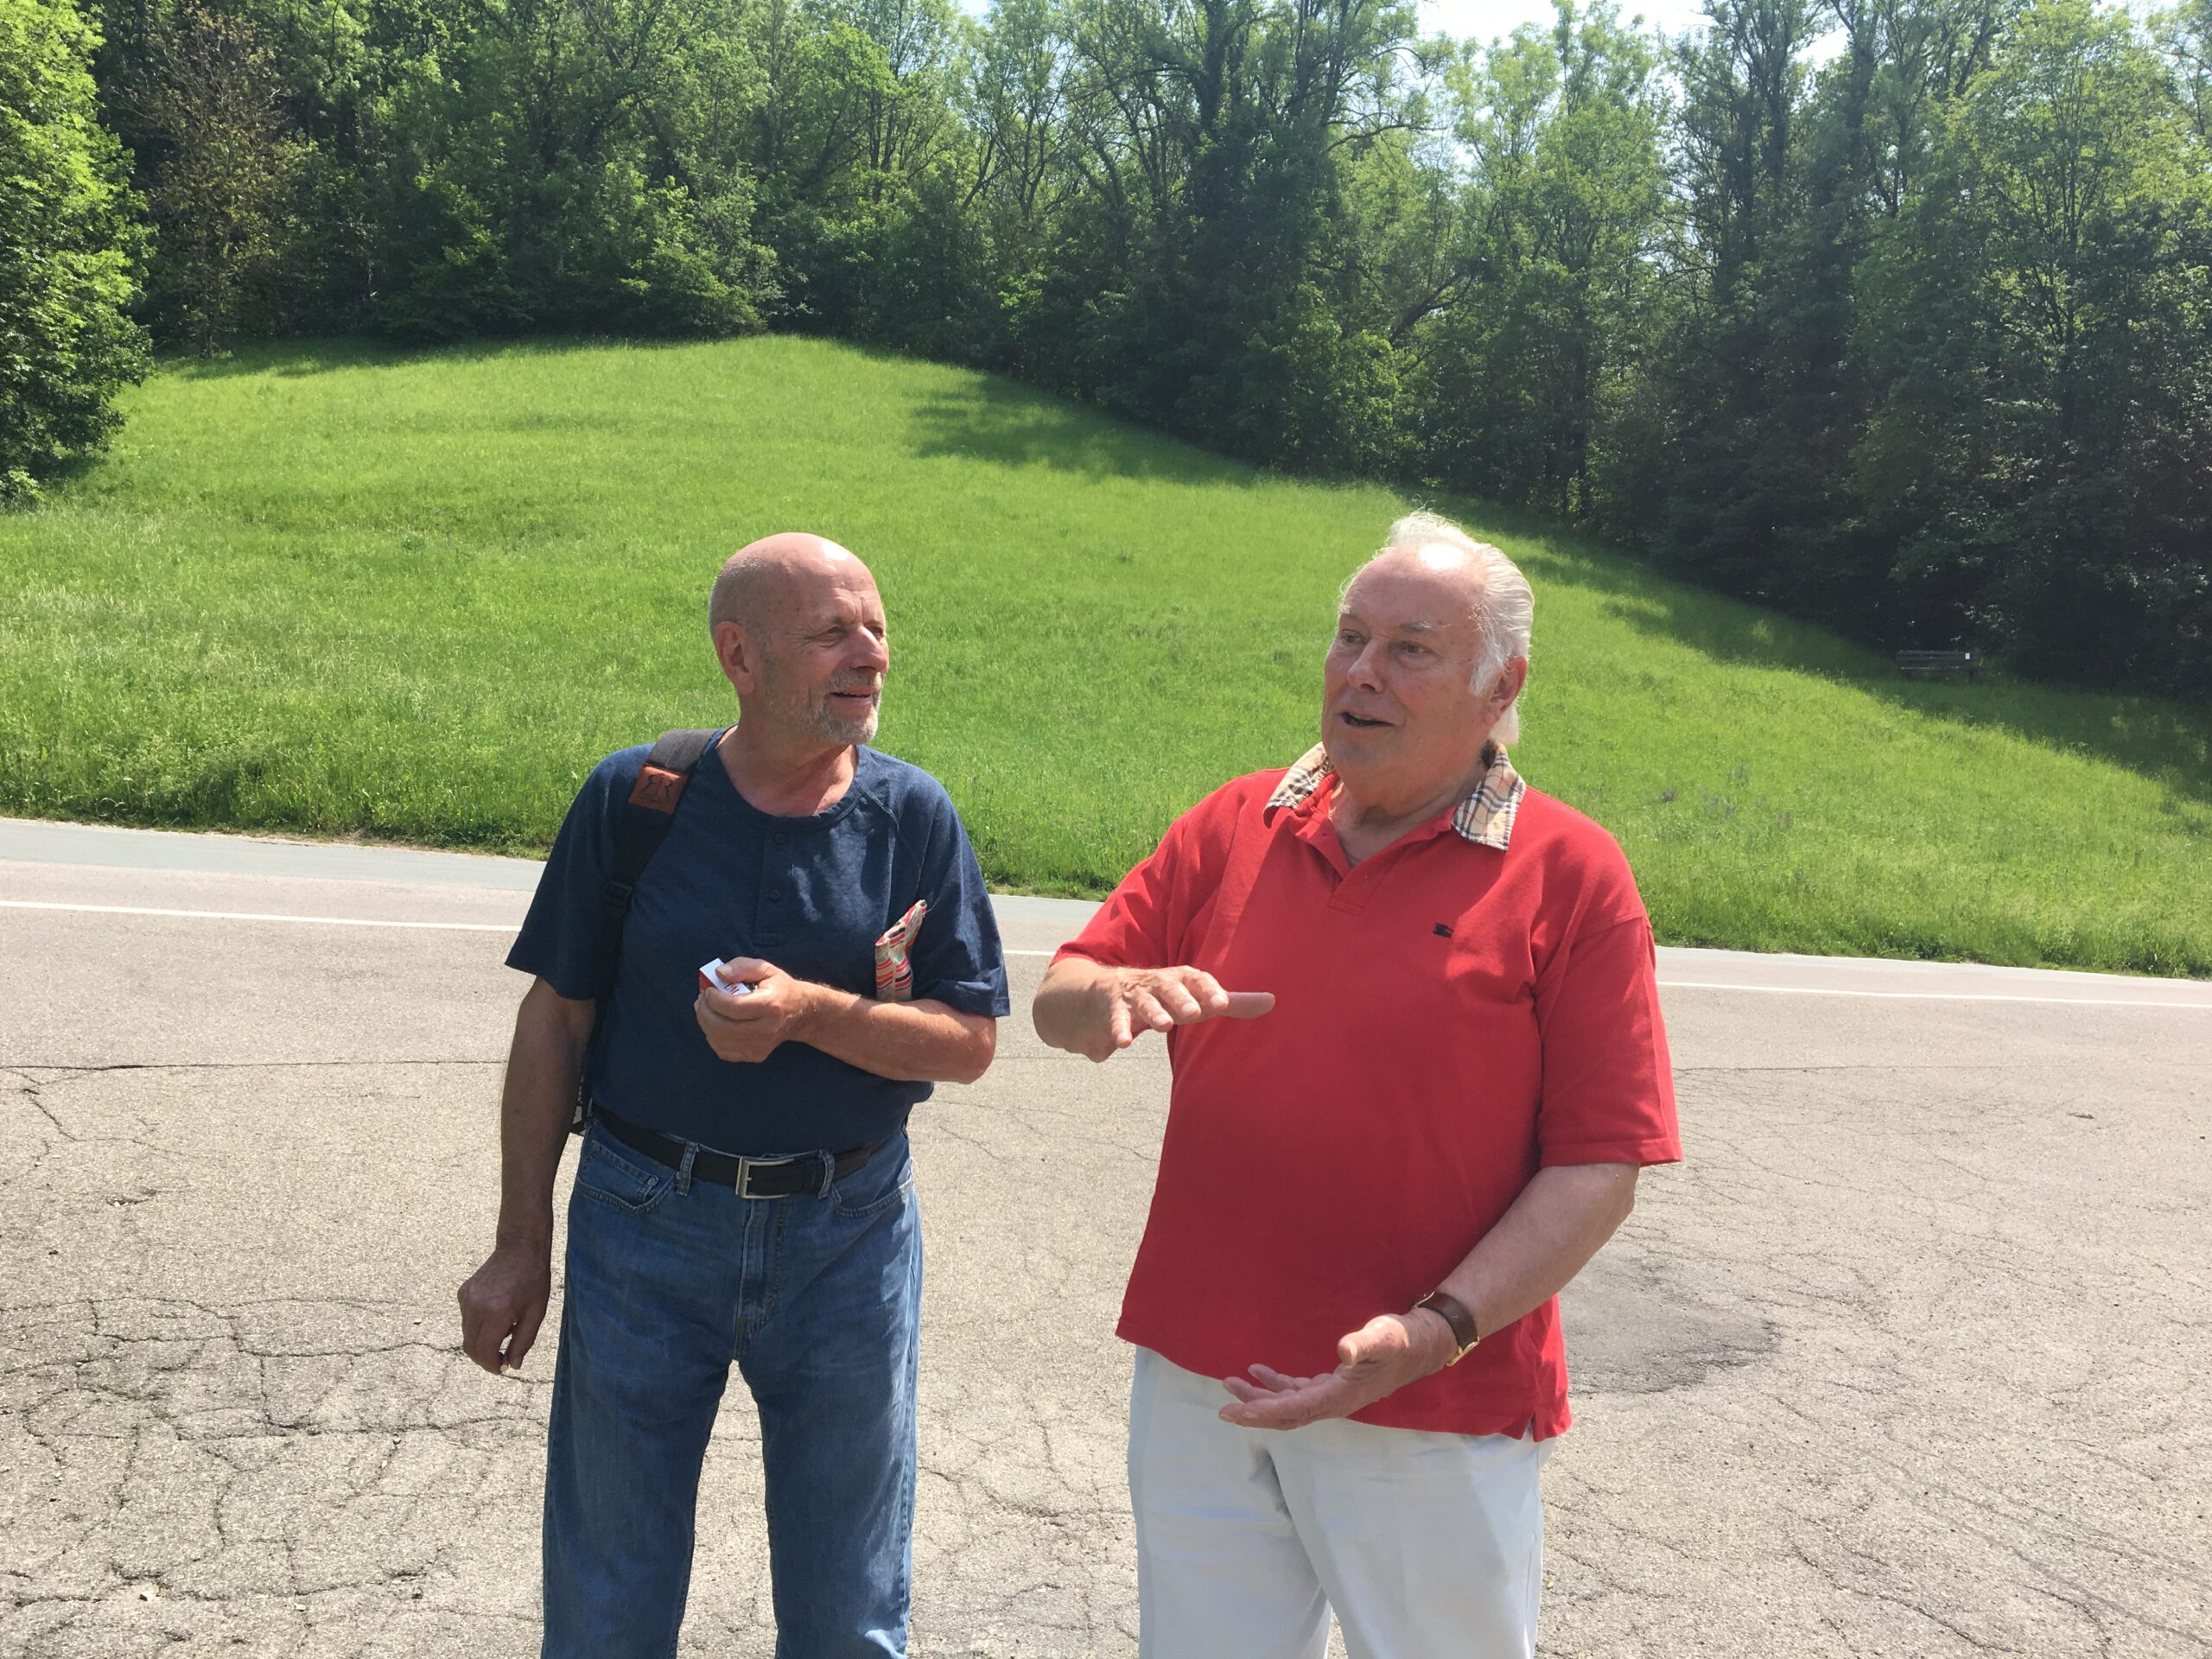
(415, 596)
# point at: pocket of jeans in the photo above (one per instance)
(606, 1174)
(884, 1182)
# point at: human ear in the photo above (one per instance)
(737, 656)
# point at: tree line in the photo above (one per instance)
(1895, 314)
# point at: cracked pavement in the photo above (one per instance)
(1902, 1362)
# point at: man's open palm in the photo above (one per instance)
(1379, 1358)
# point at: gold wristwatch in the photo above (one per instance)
(1456, 1314)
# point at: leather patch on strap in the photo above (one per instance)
(658, 789)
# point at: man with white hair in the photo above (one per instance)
(1419, 1112)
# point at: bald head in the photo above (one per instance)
(798, 628)
(1442, 566)
(766, 576)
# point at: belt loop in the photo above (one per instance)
(684, 1170)
(828, 1173)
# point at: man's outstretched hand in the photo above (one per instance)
(1130, 1001)
(1379, 1358)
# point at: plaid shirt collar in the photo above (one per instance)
(1485, 818)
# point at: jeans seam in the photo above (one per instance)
(657, 1188)
(596, 1146)
(870, 1211)
(911, 1477)
(771, 1290)
(622, 1206)
(866, 1211)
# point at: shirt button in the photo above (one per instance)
(775, 893)
(781, 837)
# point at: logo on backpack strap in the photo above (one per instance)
(657, 789)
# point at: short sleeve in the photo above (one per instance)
(1136, 926)
(1608, 1084)
(957, 959)
(559, 940)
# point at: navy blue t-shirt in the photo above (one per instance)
(810, 895)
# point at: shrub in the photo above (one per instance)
(69, 250)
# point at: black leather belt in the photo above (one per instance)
(806, 1173)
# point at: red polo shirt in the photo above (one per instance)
(1471, 1004)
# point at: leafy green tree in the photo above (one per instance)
(1731, 484)
(2185, 37)
(68, 250)
(1024, 169)
(563, 178)
(223, 195)
(1524, 371)
(2039, 456)
(1205, 278)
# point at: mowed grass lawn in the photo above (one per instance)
(341, 590)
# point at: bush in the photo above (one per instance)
(68, 250)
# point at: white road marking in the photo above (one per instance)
(1933, 996)
(248, 916)
(310, 921)
(1664, 984)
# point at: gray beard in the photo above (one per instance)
(839, 729)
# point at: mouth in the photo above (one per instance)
(1359, 723)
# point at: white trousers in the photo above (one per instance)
(1428, 1546)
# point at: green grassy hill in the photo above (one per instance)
(337, 590)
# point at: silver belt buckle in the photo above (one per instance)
(745, 1168)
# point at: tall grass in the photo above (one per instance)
(344, 591)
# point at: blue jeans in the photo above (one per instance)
(817, 1300)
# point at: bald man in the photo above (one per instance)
(743, 1192)
(1418, 1062)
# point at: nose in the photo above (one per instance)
(1366, 671)
(874, 653)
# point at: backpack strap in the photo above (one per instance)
(646, 818)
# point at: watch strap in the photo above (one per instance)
(1456, 1314)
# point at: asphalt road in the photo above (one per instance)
(1907, 1359)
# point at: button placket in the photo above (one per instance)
(776, 884)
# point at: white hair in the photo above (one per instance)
(1504, 614)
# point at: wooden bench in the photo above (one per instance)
(1937, 662)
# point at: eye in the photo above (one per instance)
(1412, 648)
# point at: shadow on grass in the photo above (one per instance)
(65, 475)
(1009, 425)
(2167, 742)
(289, 359)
